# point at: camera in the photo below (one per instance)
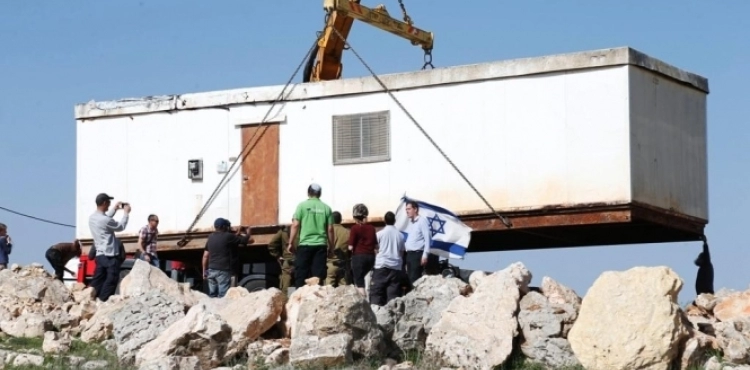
(122, 205)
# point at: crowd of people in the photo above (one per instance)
(318, 245)
(315, 245)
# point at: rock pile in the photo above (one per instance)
(627, 320)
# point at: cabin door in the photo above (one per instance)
(260, 175)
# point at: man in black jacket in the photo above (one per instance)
(704, 282)
(220, 257)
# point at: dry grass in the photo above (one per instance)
(89, 352)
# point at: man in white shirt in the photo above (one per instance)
(386, 277)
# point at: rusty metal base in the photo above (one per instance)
(594, 225)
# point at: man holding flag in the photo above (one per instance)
(430, 229)
(418, 240)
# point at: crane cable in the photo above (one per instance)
(241, 157)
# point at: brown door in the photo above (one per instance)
(260, 175)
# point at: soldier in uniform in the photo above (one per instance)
(338, 263)
(277, 248)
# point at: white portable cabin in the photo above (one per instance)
(588, 148)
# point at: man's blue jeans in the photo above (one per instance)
(154, 259)
(218, 283)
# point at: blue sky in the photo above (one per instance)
(57, 54)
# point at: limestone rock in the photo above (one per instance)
(630, 320)
(310, 292)
(544, 326)
(141, 321)
(334, 327)
(28, 325)
(62, 320)
(476, 278)
(25, 359)
(696, 349)
(76, 287)
(56, 343)
(699, 319)
(99, 327)
(734, 339)
(34, 284)
(408, 320)
(85, 295)
(200, 333)
(558, 294)
(249, 314)
(322, 352)
(268, 353)
(172, 363)
(144, 278)
(706, 301)
(471, 336)
(83, 310)
(733, 306)
(95, 364)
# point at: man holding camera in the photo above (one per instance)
(108, 251)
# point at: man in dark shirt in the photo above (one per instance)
(220, 258)
(704, 282)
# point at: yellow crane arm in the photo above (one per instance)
(341, 15)
(379, 18)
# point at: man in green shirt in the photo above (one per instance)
(338, 263)
(313, 222)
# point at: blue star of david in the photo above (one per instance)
(440, 225)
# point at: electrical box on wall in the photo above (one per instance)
(195, 169)
(222, 167)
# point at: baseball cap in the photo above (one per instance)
(315, 187)
(102, 197)
(222, 222)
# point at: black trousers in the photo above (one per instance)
(361, 265)
(54, 257)
(385, 285)
(309, 261)
(414, 268)
(106, 276)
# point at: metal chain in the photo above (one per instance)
(505, 221)
(241, 156)
(407, 18)
(409, 21)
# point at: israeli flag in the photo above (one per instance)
(450, 236)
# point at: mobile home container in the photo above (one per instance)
(589, 148)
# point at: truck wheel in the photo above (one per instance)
(255, 285)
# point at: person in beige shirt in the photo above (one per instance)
(338, 263)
